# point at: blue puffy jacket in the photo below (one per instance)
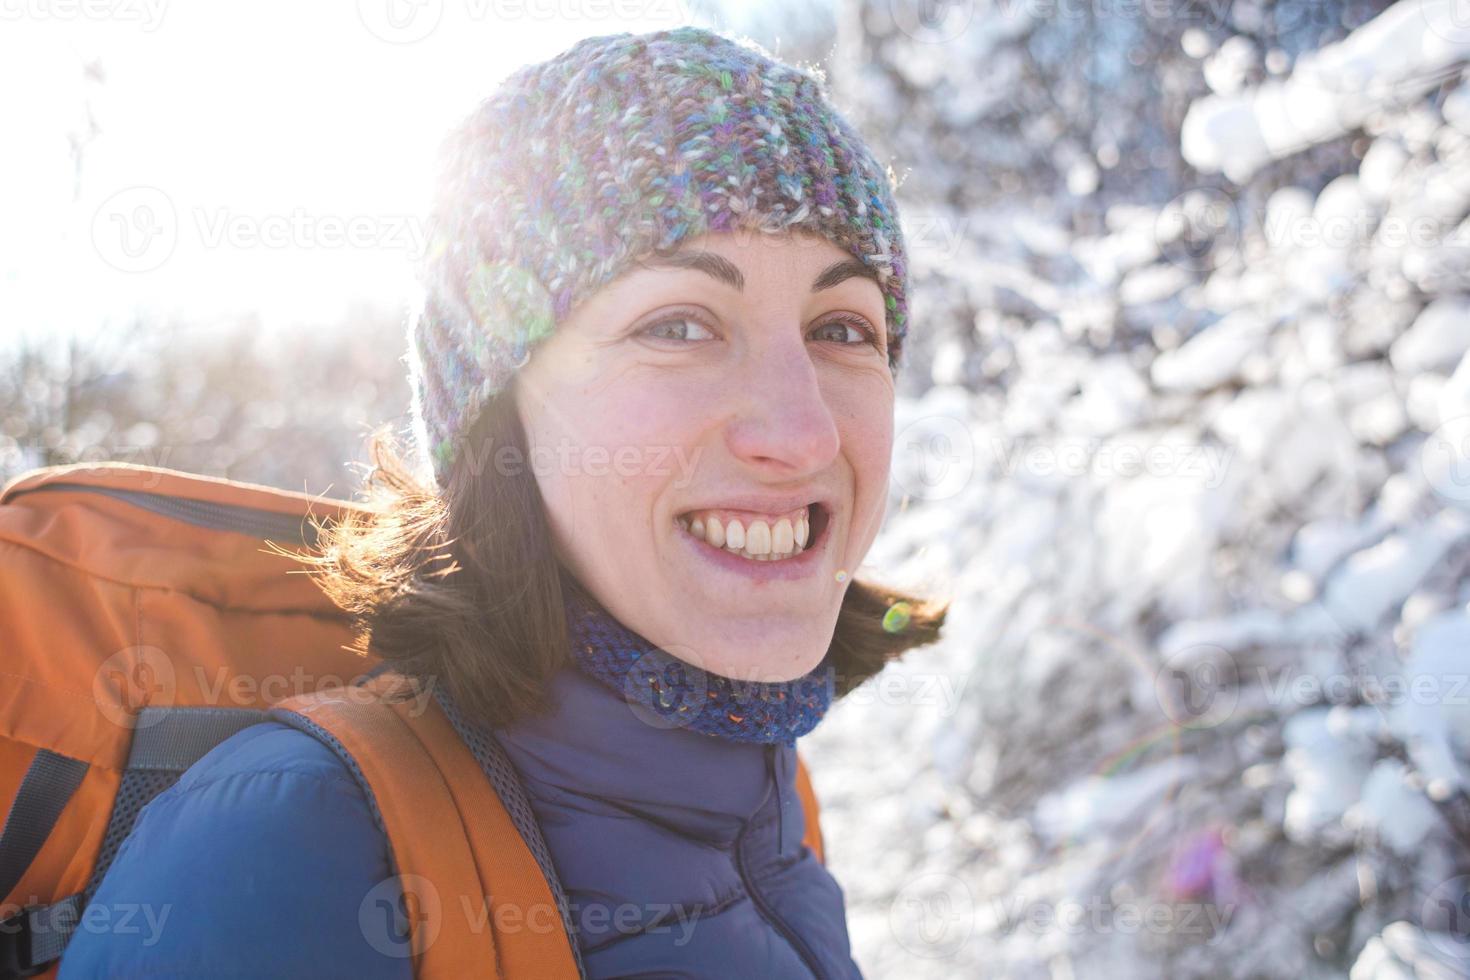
(680, 854)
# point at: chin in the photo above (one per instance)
(760, 650)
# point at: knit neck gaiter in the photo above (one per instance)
(670, 693)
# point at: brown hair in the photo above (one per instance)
(462, 586)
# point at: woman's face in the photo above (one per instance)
(738, 391)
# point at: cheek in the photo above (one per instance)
(605, 455)
(867, 437)
(873, 423)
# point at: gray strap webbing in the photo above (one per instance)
(173, 739)
(50, 926)
(48, 784)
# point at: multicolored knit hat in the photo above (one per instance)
(621, 146)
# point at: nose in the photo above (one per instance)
(783, 423)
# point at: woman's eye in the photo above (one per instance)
(844, 332)
(679, 328)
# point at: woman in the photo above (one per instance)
(653, 377)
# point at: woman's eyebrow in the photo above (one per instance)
(728, 273)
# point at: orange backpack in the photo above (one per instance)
(144, 621)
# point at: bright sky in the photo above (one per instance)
(271, 156)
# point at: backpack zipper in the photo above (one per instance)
(252, 521)
(769, 914)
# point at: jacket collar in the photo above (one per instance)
(613, 735)
(670, 693)
(594, 743)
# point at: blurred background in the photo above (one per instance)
(1184, 432)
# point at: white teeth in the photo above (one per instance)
(781, 536)
(758, 541)
(758, 538)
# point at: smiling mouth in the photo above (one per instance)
(758, 537)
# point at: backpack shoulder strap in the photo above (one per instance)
(813, 836)
(474, 892)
